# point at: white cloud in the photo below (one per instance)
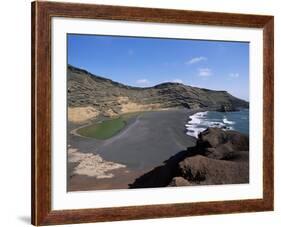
(234, 75)
(196, 60)
(204, 72)
(142, 82)
(177, 81)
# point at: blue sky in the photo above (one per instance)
(145, 62)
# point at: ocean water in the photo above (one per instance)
(238, 121)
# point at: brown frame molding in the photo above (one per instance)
(42, 12)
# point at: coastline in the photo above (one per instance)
(230, 120)
(147, 142)
(144, 143)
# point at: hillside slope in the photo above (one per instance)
(90, 95)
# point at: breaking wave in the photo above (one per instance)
(202, 120)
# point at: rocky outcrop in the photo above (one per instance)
(108, 98)
(205, 171)
(219, 157)
(216, 143)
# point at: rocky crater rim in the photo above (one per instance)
(99, 96)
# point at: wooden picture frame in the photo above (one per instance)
(42, 12)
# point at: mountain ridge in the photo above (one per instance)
(109, 98)
(71, 67)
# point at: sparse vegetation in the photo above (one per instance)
(104, 129)
(107, 128)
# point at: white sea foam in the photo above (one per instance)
(192, 127)
(197, 118)
(215, 124)
(194, 131)
(227, 121)
(199, 122)
(194, 120)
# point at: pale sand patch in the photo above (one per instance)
(134, 108)
(128, 106)
(110, 113)
(81, 114)
(92, 165)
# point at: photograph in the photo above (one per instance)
(147, 112)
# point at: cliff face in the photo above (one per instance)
(110, 98)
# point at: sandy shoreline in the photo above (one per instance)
(144, 143)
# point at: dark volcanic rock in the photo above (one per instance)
(109, 97)
(203, 170)
(160, 176)
(218, 144)
(223, 158)
(219, 157)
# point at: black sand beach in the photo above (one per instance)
(146, 141)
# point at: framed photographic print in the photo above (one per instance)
(144, 113)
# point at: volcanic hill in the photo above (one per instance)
(90, 95)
